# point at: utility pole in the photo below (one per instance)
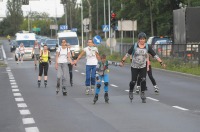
(105, 17)
(151, 17)
(82, 22)
(97, 16)
(90, 17)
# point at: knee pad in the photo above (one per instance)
(98, 85)
(106, 83)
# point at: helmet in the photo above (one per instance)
(142, 35)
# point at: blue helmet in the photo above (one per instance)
(142, 35)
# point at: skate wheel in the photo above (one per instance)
(64, 94)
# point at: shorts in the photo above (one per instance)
(36, 56)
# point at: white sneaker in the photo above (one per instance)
(92, 89)
(87, 90)
(156, 89)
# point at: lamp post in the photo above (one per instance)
(105, 17)
(82, 22)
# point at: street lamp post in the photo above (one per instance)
(82, 22)
(105, 17)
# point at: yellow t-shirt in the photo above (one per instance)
(45, 56)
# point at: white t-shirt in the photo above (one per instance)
(62, 58)
(91, 55)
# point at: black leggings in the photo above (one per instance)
(43, 66)
(150, 77)
(70, 71)
(142, 74)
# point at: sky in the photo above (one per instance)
(52, 7)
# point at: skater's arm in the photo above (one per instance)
(79, 57)
(69, 58)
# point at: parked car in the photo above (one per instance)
(163, 47)
(51, 44)
(13, 45)
(152, 40)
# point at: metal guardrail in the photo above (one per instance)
(186, 52)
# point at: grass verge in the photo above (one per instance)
(173, 64)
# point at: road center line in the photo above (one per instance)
(83, 73)
(181, 108)
(76, 70)
(14, 86)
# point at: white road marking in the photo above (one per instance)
(152, 99)
(13, 83)
(19, 99)
(32, 129)
(15, 90)
(128, 91)
(76, 70)
(181, 108)
(12, 80)
(22, 105)
(4, 54)
(8, 70)
(28, 121)
(83, 73)
(113, 85)
(17, 94)
(10, 58)
(14, 86)
(24, 112)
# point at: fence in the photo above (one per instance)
(186, 52)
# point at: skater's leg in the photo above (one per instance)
(64, 76)
(138, 87)
(70, 73)
(151, 76)
(143, 84)
(88, 72)
(46, 66)
(134, 75)
(93, 75)
(106, 82)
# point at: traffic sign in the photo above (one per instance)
(63, 27)
(105, 28)
(36, 29)
(86, 21)
(97, 39)
(86, 28)
(74, 29)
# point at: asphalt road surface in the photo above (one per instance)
(26, 108)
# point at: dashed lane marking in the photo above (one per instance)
(22, 105)
(19, 99)
(28, 121)
(15, 90)
(13, 83)
(152, 99)
(128, 91)
(32, 129)
(12, 80)
(14, 86)
(83, 73)
(113, 85)
(181, 108)
(76, 70)
(24, 112)
(17, 94)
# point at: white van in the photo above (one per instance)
(28, 39)
(71, 38)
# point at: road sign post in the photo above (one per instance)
(97, 39)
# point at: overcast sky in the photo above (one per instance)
(52, 7)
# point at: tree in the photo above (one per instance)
(14, 16)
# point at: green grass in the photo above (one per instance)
(2, 64)
(171, 64)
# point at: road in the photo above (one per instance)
(26, 108)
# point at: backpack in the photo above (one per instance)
(135, 47)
